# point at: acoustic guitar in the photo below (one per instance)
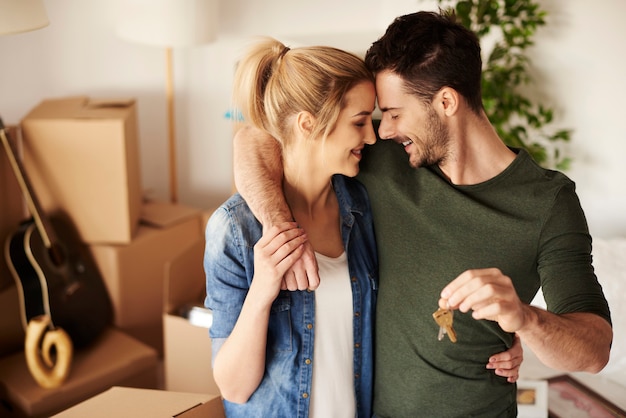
(54, 271)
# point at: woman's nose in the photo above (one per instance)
(370, 137)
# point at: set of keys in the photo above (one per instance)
(444, 318)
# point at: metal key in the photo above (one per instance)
(442, 330)
(444, 318)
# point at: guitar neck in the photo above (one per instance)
(47, 233)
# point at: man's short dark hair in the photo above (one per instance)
(430, 51)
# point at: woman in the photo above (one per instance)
(303, 353)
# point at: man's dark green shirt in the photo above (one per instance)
(527, 221)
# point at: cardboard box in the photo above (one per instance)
(115, 359)
(82, 156)
(134, 273)
(187, 356)
(131, 403)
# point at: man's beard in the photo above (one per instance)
(436, 145)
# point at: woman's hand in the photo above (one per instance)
(279, 248)
(507, 363)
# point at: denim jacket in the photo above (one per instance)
(284, 390)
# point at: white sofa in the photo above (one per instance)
(609, 260)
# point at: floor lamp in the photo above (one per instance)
(17, 16)
(170, 24)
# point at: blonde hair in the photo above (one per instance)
(273, 83)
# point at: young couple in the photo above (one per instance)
(469, 224)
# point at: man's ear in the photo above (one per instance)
(448, 101)
(304, 123)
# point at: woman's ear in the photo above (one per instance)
(305, 123)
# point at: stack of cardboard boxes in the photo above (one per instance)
(82, 157)
(187, 364)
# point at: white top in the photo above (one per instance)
(332, 394)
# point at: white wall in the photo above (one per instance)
(578, 67)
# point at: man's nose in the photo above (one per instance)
(384, 130)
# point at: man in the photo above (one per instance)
(469, 224)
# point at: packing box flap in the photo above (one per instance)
(211, 409)
(109, 103)
(163, 214)
(81, 107)
(132, 402)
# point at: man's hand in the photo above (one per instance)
(489, 294)
(576, 341)
(303, 274)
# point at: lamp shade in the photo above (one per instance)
(18, 16)
(169, 23)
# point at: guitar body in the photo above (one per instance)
(65, 283)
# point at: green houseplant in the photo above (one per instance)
(508, 27)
